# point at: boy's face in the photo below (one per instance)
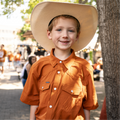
(64, 33)
(33, 60)
(1, 46)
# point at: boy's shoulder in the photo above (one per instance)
(84, 63)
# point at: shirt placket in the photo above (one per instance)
(55, 92)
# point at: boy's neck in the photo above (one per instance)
(62, 54)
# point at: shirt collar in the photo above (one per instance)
(54, 61)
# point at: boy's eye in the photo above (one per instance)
(71, 30)
(58, 30)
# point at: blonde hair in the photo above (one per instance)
(52, 22)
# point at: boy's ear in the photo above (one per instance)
(77, 36)
(49, 35)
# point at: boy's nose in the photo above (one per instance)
(65, 34)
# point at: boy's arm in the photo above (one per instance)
(87, 114)
(32, 111)
(28, 66)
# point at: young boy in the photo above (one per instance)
(61, 86)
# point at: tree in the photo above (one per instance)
(109, 35)
(24, 29)
(31, 5)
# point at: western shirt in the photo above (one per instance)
(60, 88)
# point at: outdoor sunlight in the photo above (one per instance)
(38, 39)
(11, 86)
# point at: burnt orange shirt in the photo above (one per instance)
(2, 55)
(62, 89)
(17, 57)
(10, 57)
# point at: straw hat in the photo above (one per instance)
(44, 12)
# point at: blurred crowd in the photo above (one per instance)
(98, 70)
(19, 59)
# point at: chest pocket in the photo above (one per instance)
(44, 94)
(44, 85)
(73, 96)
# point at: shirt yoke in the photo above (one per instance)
(84, 63)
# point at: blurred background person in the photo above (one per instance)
(98, 70)
(17, 59)
(97, 65)
(10, 59)
(3, 53)
(26, 69)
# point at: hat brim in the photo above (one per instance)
(43, 12)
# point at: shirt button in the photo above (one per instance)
(50, 106)
(55, 88)
(58, 72)
(71, 91)
(42, 87)
(60, 61)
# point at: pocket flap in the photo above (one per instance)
(73, 90)
(44, 86)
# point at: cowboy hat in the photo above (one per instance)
(44, 12)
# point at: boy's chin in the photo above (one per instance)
(63, 48)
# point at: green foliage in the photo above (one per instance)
(24, 29)
(20, 34)
(9, 6)
(91, 55)
(31, 5)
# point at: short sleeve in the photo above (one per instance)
(30, 94)
(90, 101)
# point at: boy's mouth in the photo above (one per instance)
(64, 41)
